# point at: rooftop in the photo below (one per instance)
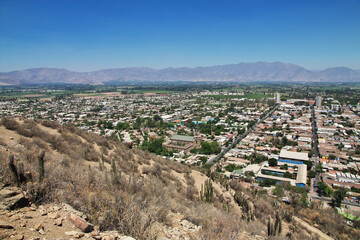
(182, 138)
(294, 155)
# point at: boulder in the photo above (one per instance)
(80, 223)
(5, 225)
(38, 226)
(58, 222)
(12, 198)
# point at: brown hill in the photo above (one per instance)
(140, 194)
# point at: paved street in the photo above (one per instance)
(242, 136)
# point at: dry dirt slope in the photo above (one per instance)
(134, 192)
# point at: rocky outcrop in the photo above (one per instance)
(80, 223)
(51, 222)
(12, 198)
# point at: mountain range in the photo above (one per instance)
(242, 72)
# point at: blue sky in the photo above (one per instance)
(91, 35)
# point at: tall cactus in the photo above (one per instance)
(21, 173)
(207, 191)
(13, 169)
(100, 165)
(41, 166)
(274, 228)
(114, 173)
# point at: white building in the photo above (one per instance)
(277, 97)
(318, 101)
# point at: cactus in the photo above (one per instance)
(41, 166)
(86, 152)
(21, 173)
(274, 228)
(106, 177)
(113, 166)
(100, 165)
(92, 198)
(13, 169)
(207, 191)
(114, 173)
(246, 206)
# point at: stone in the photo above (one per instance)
(58, 222)
(42, 211)
(75, 234)
(127, 238)
(19, 237)
(15, 218)
(32, 208)
(54, 215)
(71, 233)
(5, 225)
(70, 209)
(41, 231)
(38, 226)
(56, 208)
(12, 198)
(108, 238)
(111, 234)
(95, 233)
(80, 223)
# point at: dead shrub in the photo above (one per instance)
(191, 192)
(50, 124)
(2, 142)
(10, 123)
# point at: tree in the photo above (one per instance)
(319, 168)
(278, 191)
(311, 174)
(287, 174)
(309, 165)
(325, 189)
(273, 162)
(338, 197)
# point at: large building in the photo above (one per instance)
(277, 97)
(292, 157)
(318, 101)
(182, 143)
(298, 175)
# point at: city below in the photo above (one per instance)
(281, 139)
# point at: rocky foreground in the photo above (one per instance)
(21, 220)
(18, 220)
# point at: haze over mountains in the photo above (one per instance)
(242, 72)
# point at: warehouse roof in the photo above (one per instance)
(294, 155)
(301, 174)
(182, 138)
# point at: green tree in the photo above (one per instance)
(273, 162)
(325, 189)
(287, 174)
(311, 174)
(338, 197)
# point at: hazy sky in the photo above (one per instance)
(91, 35)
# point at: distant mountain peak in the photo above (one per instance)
(241, 72)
